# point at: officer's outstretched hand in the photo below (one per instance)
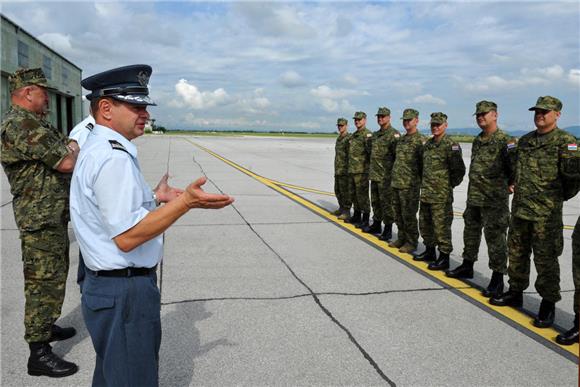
(165, 192)
(195, 197)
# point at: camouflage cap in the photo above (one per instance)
(359, 115)
(27, 77)
(341, 121)
(438, 118)
(409, 114)
(484, 107)
(547, 103)
(383, 111)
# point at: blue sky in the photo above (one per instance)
(300, 65)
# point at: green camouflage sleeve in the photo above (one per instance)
(420, 159)
(456, 165)
(509, 159)
(36, 142)
(570, 169)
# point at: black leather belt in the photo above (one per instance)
(128, 272)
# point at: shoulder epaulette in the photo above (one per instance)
(118, 146)
(90, 126)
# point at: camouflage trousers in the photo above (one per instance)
(45, 259)
(494, 221)
(545, 239)
(342, 190)
(382, 201)
(405, 205)
(576, 265)
(360, 192)
(435, 221)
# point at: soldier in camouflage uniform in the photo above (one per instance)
(37, 160)
(381, 165)
(443, 169)
(341, 179)
(406, 182)
(541, 185)
(490, 174)
(358, 170)
(572, 336)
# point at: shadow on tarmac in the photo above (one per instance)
(181, 343)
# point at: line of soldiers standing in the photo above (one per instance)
(412, 173)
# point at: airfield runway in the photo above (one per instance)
(274, 291)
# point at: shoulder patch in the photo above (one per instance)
(572, 147)
(511, 145)
(397, 135)
(455, 147)
(89, 126)
(369, 135)
(118, 146)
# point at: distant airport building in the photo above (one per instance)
(22, 50)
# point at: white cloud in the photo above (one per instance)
(58, 42)
(552, 72)
(195, 99)
(333, 99)
(574, 76)
(527, 77)
(291, 79)
(428, 98)
(351, 79)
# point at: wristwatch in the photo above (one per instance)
(157, 202)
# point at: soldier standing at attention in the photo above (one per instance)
(490, 174)
(406, 182)
(341, 178)
(358, 170)
(38, 160)
(443, 169)
(540, 189)
(381, 167)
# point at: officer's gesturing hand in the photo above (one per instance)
(164, 192)
(195, 197)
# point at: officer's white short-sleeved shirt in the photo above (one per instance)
(81, 130)
(108, 197)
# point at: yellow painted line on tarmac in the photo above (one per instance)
(516, 316)
(301, 188)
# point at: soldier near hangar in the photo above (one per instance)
(490, 174)
(38, 160)
(541, 186)
(406, 182)
(443, 169)
(358, 170)
(381, 166)
(342, 188)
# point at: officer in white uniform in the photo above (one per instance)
(118, 226)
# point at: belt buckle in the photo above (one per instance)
(129, 270)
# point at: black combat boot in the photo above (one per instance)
(429, 255)
(345, 214)
(442, 263)
(509, 298)
(396, 244)
(387, 233)
(465, 270)
(495, 287)
(364, 221)
(43, 362)
(546, 314)
(355, 218)
(570, 337)
(57, 333)
(375, 228)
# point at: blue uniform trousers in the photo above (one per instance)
(122, 315)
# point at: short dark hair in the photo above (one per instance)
(95, 104)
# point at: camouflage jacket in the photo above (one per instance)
(359, 151)
(544, 173)
(408, 165)
(383, 153)
(490, 171)
(341, 155)
(443, 169)
(31, 149)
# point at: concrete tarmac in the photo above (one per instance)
(271, 291)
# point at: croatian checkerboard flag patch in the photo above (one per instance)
(572, 147)
(455, 147)
(511, 145)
